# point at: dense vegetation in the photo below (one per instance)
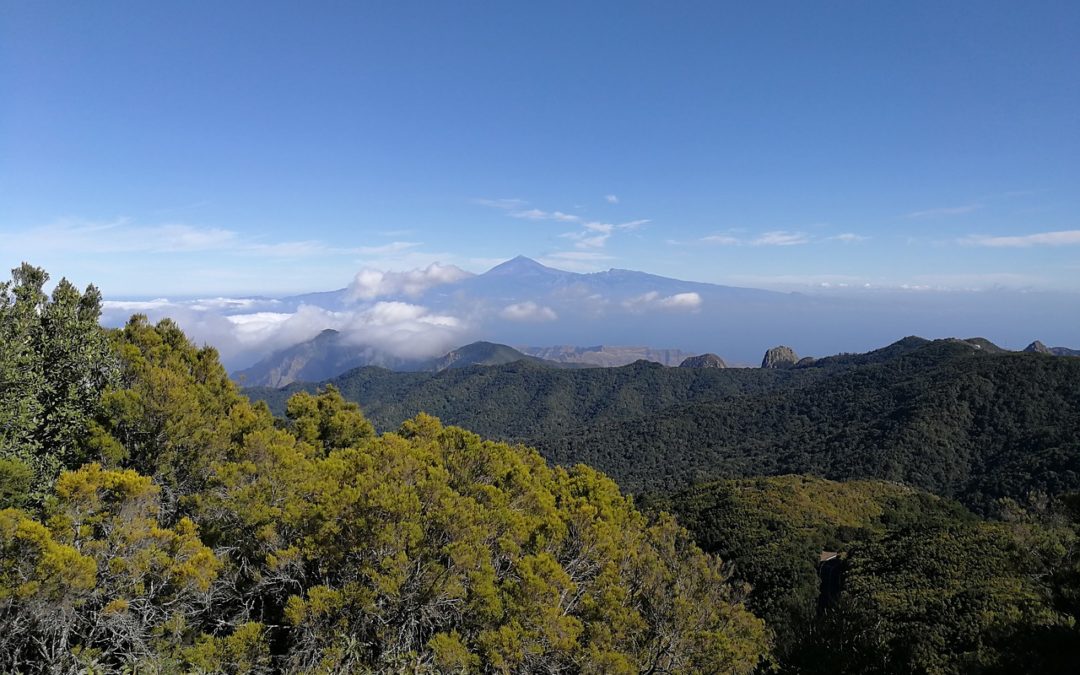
(918, 583)
(942, 416)
(526, 401)
(957, 418)
(153, 519)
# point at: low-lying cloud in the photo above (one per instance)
(370, 284)
(399, 329)
(528, 311)
(687, 302)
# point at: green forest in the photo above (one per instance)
(959, 418)
(153, 519)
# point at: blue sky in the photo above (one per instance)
(194, 148)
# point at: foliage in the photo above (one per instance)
(174, 411)
(208, 537)
(920, 584)
(525, 401)
(940, 416)
(947, 599)
(101, 582)
(54, 362)
(432, 547)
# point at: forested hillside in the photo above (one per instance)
(942, 416)
(956, 417)
(874, 577)
(153, 520)
(524, 401)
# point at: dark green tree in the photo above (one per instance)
(54, 364)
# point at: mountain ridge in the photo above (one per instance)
(952, 416)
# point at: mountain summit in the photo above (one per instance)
(522, 266)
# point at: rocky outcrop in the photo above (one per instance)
(1038, 347)
(703, 361)
(806, 362)
(780, 357)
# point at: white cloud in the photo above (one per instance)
(1059, 238)
(387, 249)
(135, 305)
(943, 212)
(370, 283)
(397, 328)
(603, 228)
(653, 300)
(537, 214)
(722, 239)
(780, 238)
(681, 301)
(528, 311)
(849, 237)
(258, 326)
(611, 199)
(773, 238)
(583, 240)
(231, 303)
(602, 231)
(596, 234)
(404, 330)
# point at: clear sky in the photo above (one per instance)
(210, 147)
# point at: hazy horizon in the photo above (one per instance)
(204, 149)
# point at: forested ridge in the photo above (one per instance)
(153, 519)
(956, 417)
(876, 577)
(942, 416)
(523, 401)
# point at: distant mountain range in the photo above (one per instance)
(402, 319)
(331, 353)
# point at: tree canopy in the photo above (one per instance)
(166, 524)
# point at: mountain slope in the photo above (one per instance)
(525, 401)
(481, 354)
(946, 417)
(330, 354)
(951, 416)
(327, 354)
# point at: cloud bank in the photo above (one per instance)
(370, 284)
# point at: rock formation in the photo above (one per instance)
(780, 357)
(703, 361)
